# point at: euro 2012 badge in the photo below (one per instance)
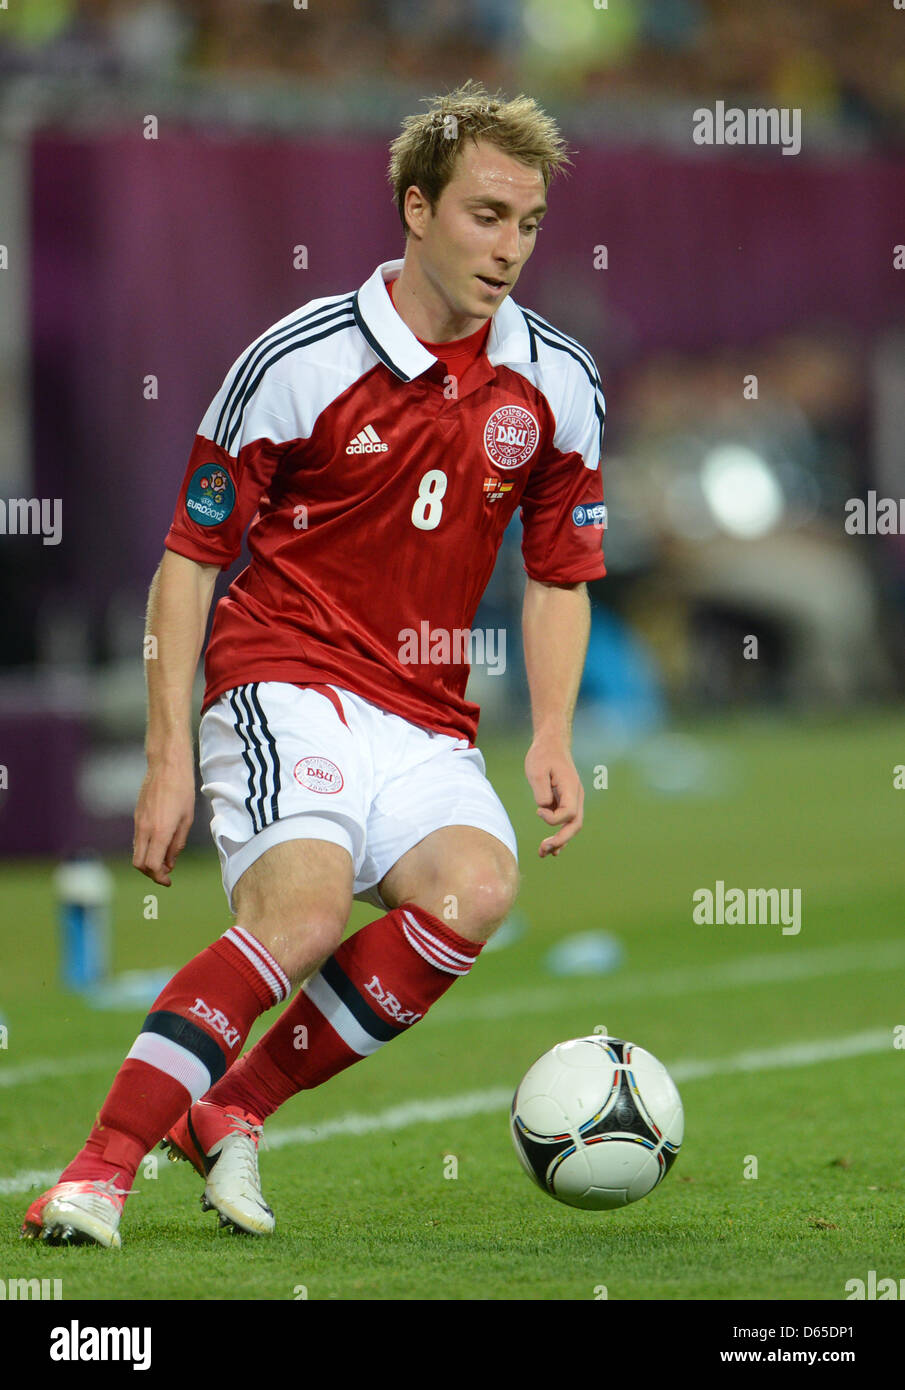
(210, 495)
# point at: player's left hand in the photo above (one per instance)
(557, 789)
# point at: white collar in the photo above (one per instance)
(396, 345)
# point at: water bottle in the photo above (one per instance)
(84, 890)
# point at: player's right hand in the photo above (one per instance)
(163, 817)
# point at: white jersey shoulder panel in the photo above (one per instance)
(282, 382)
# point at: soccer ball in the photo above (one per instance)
(597, 1122)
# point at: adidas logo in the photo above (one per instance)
(367, 441)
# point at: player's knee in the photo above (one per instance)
(299, 941)
(486, 895)
(317, 938)
(296, 900)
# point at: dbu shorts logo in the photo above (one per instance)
(318, 775)
(210, 495)
(593, 514)
(510, 436)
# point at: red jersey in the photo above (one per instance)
(376, 486)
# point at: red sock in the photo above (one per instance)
(192, 1034)
(376, 985)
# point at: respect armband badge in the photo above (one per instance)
(210, 495)
(592, 514)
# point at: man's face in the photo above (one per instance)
(473, 245)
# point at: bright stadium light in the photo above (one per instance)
(741, 491)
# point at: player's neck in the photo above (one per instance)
(426, 313)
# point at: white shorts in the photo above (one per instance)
(278, 762)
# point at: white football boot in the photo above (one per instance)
(221, 1143)
(84, 1212)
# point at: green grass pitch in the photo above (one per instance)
(360, 1178)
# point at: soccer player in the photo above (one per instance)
(374, 445)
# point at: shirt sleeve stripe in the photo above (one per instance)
(294, 334)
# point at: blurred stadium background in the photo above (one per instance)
(135, 271)
(139, 267)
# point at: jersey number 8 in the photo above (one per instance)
(428, 508)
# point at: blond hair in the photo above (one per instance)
(426, 150)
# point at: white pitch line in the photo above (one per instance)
(776, 968)
(803, 1054)
(24, 1182)
(412, 1112)
(485, 1102)
(498, 1098)
(48, 1067)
